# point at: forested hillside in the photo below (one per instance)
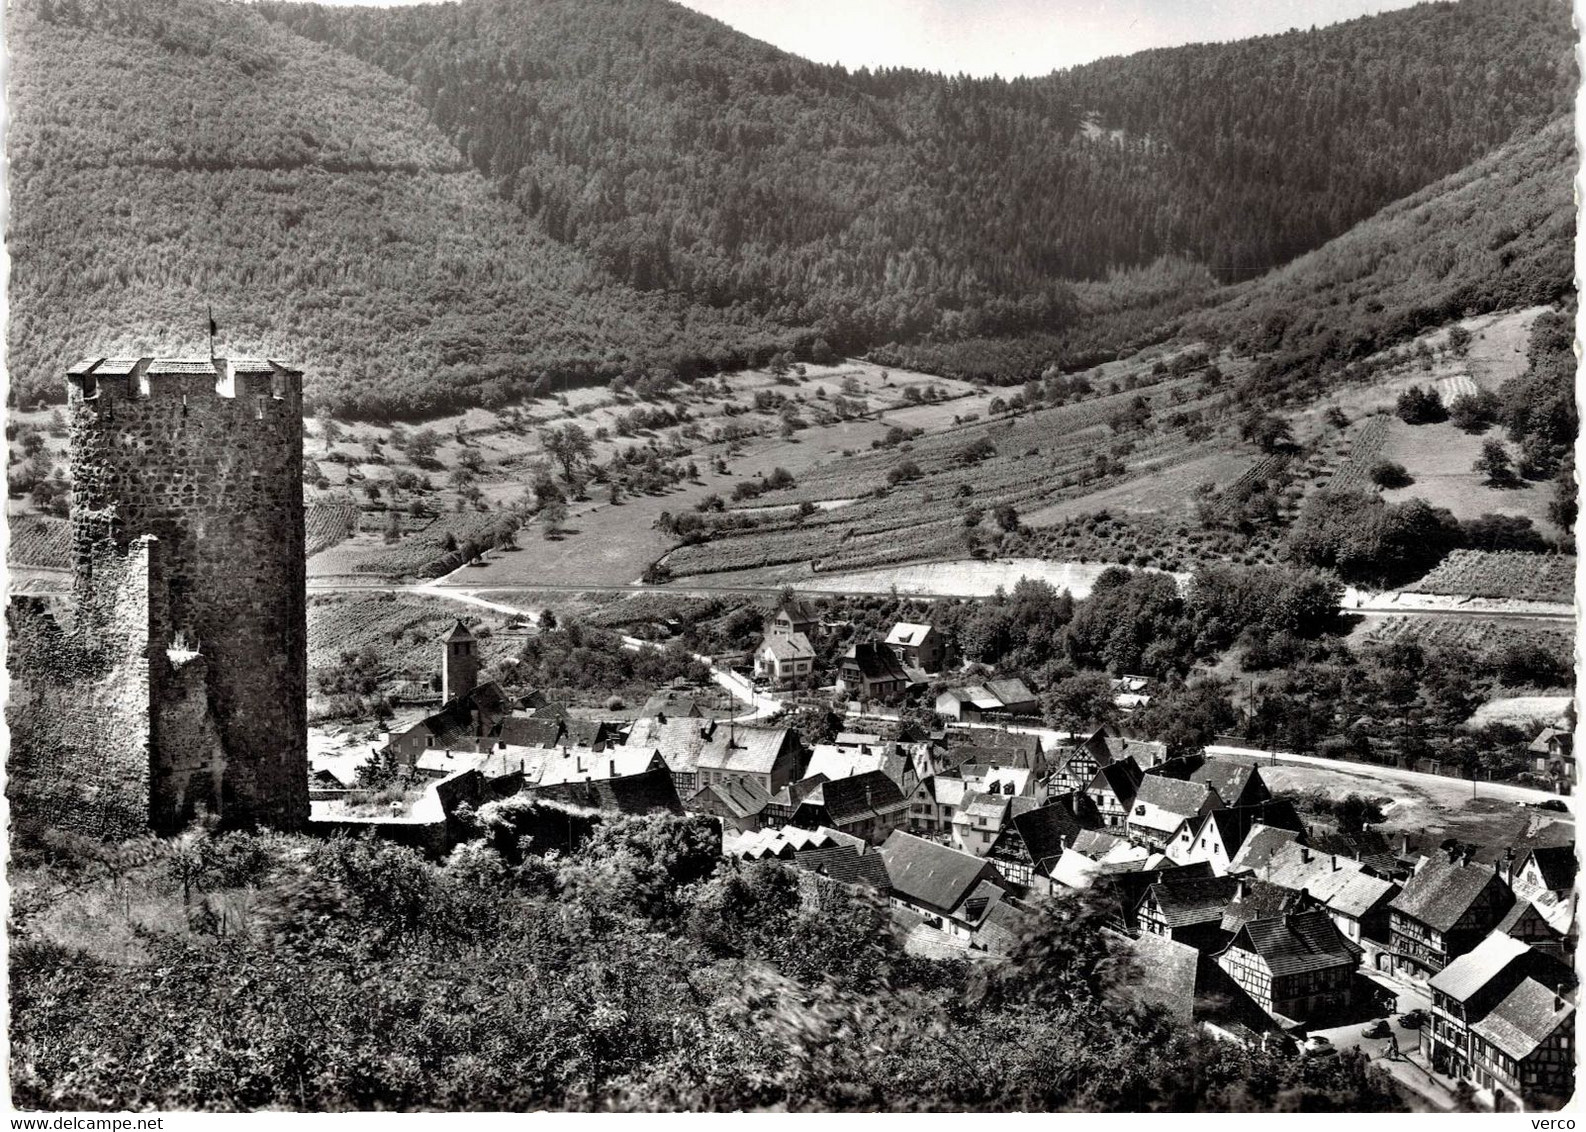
(168, 154)
(888, 205)
(456, 204)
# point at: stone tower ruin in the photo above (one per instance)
(459, 663)
(190, 630)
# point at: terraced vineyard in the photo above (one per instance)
(39, 540)
(1503, 574)
(326, 524)
(402, 629)
(1481, 634)
(1355, 474)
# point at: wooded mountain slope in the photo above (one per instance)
(168, 154)
(680, 153)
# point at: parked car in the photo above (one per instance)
(1413, 1019)
(1317, 1046)
(1378, 1029)
(1556, 805)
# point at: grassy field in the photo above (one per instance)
(1503, 574)
(1439, 457)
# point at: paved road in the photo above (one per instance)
(1499, 790)
(1379, 606)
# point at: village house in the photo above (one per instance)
(978, 822)
(952, 891)
(1526, 923)
(1444, 911)
(1078, 767)
(785, 661)
(680, 742)
(1296, 966)
(1545, 874)
(458, 725)
(1112, 789)
(992, 747)
(1189, 912)
(793, 619)
(1161, 807)
(1552, 753)
(783, 804)
(868, 806)
(990, 700)
(871, 671)
(1260, 844)
(739, 803)
(934, 803)
(1525, 1048)
(1217, 837)
(895, 760)
(768, 755)
(1357, 900)
(917, 646)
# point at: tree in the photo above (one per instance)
(1079, 702)
(569, 446)
(1494, 463)
(1266, 431)
(1420, 406)
(1474, 412)
(1390, 474)
(1007, 517)
(553, 513)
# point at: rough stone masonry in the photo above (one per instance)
(180, 684)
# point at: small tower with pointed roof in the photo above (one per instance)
(459, 662)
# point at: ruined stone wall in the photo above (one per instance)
(207, 457)
(79, 703)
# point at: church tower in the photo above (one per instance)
(459, 663)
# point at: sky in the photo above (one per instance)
(1013, 37)
(1008, 37)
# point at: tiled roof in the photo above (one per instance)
(1049, 830)
(529, 731)
(1441, 892)
(1095, 843)
(862, 796)
(984, 737)
(857, 739)
(116, 367)
(741, 797)
(680, 741)
(1260, 844)
(454, 725)
(795, 646)
(875, 661)
(173, 366)
(254, 365)
(846, 864)
(1122, 777)
(746, 750)
(1229, 779)
(999, 931)
(458, 632)
(1167, 971)
(843, 762)
(1192, 902)
(1557, 865)
(651, 792)
(1257, 900)
(907, 633)
(1162, 804)
(928, 873)
(1468, 973)
(798, 612)
(1336, 881)
(584, 733)
(1524, 1020)
(671, 702)
(1010, 691)
(1525, 916)
(1296, 943)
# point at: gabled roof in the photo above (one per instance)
(907, 633)
(1096, 843)
(1049, 830)
(1525, 1019)
(1132, 886)
(672, 702)
(650, 792)
(1231, 780)
(848, 800)
(529, 731)
(458, 632)
(843, 762)
(585, 733)
(1168, 973)
(740, 797)
(1443, 891)
(875, 661)
(1539, 745)
(1196, 901)
(846, 864)
(1260, 844)
(1467, 974)
(455, 725)
(1297, 942)
(1163, 804)
(857, 739)
(1010, 690)
(1525, 918)
(931, 874)
(1122, 777)
(1557, 865)
(794, 646)
(797, 612)
(1257, 900)
(746, 750)
(680, 741)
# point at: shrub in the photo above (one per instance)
(1389, 473)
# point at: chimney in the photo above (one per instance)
(1404, 844)
(1333, 857)
(660, 717)
(1558, 1002)
(1239, 891)
(1305, 854)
